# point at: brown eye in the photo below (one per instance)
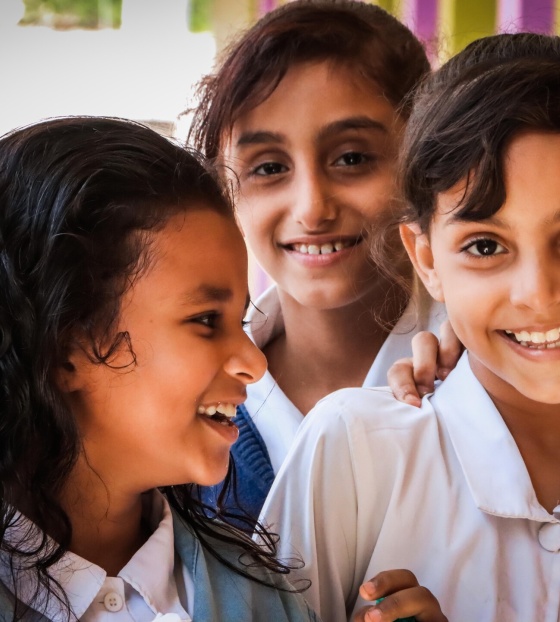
(269, 168)
(484, 247)
(352, 158)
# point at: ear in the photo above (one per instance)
(69, 376)
(419, 250)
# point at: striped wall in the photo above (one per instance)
(446, 26)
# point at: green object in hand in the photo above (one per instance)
(400, 619)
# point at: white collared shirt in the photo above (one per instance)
(372, 484)
(276, 417)
(147, 585)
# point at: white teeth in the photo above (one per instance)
(226, 409)
(223, 408)
(323, 249)
(548, 339)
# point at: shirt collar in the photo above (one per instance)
(494, 469)
(149, 571)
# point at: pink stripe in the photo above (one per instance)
(526, 15)
(266, 5)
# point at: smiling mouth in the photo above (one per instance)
(323, 249)
(536, 340)
(220, 412)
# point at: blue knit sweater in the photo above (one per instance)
(253, 469)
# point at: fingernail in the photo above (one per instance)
(373, 615)
(443, 373)
(368, 590)
(413, 400)
(423, 390)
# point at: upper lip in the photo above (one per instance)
(322, 239)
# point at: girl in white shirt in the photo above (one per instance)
(465, 491)
(123, 280)
(306, 111)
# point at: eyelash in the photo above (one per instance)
(208, 320)
(366, 158)
(254, 171)
(472, 243)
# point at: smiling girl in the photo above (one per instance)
(464, 491)
(306, 111)
(122, 358)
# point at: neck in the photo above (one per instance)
(322, 350)
(535, 427)
(107, 525)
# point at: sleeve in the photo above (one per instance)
(313, 506)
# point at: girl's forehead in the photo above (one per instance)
(325, 74)
(529, 173)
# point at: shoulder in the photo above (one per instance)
(371, 409)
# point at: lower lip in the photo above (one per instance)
(532, 354)
(328, 259)
(229, 433)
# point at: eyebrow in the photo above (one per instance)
(336, 127)
(497, 221)
(207, 293)
(352, 123)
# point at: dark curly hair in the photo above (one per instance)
(466, 114)
(78, 200)
(361, 36)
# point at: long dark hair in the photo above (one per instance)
(78, 199)
(361, 36)
(467, 113)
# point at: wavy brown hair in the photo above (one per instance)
(361, 36)
(466, 114)
(79, 198)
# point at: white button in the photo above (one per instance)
(113, 601)
(549, 537)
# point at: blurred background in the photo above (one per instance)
(140, 58)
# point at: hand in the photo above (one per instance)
(402, 597)
(411, 378)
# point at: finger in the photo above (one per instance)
(416, 603)
(387, 582)
(450, 350)
(401, 381)
(362, 614)
(424, 360)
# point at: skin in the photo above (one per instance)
(326, 175)
(504, 274)
(184, 317)
(432, 358)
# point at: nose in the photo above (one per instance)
(313, 202)
(247, 363)
(536, 284)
